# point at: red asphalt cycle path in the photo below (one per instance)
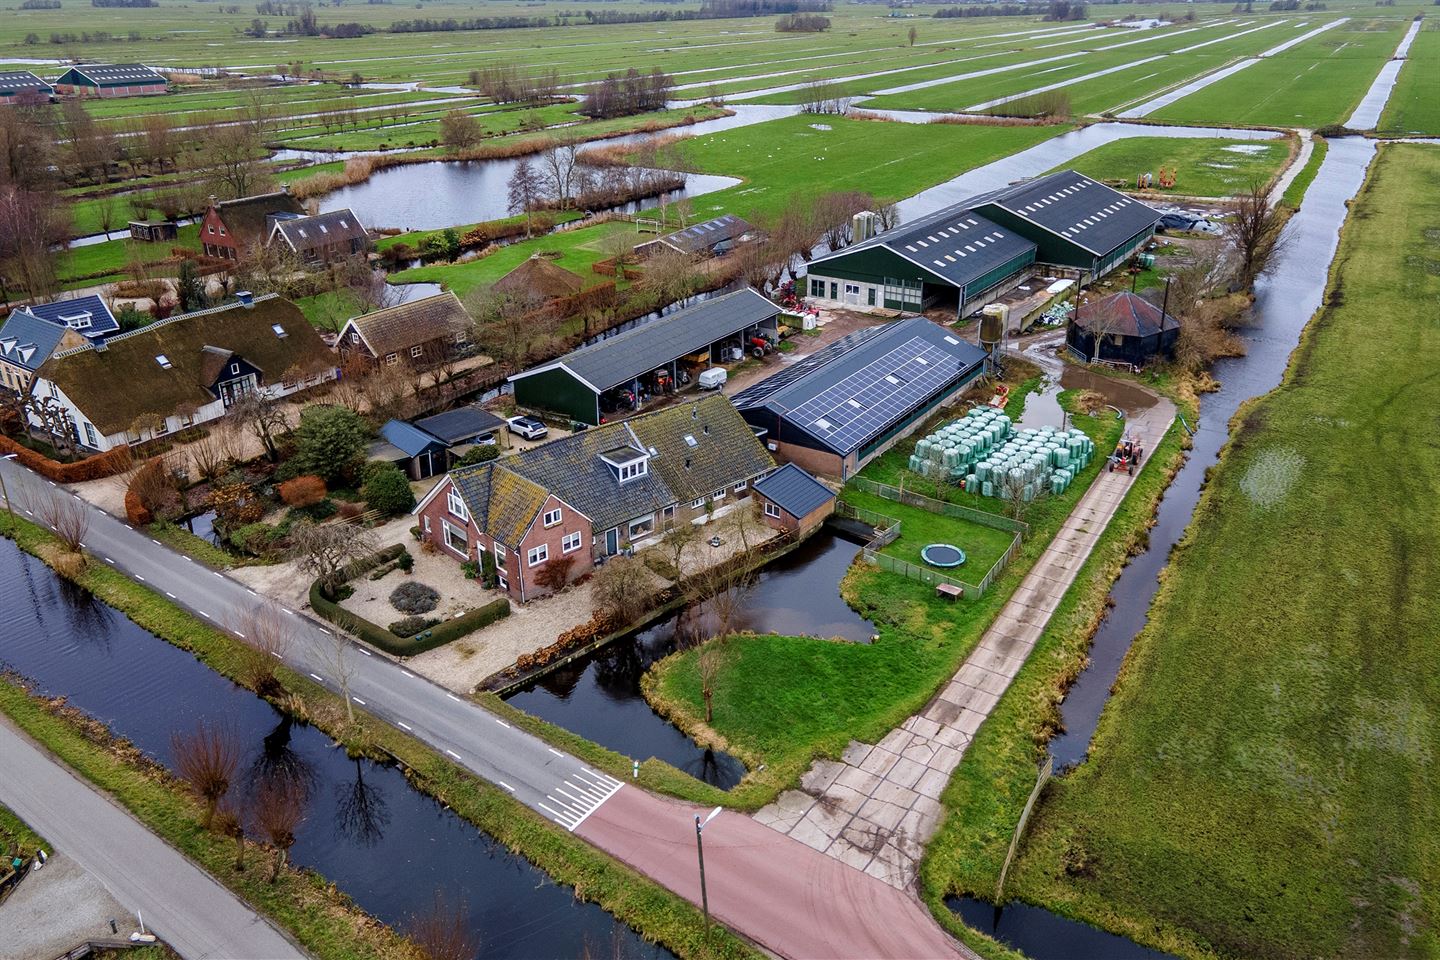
(789, 898)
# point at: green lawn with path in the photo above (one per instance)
(578, 250)
(1207, 167)
(1265, 773)
(783, 701)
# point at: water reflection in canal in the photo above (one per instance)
(599, 696)
(381, 842)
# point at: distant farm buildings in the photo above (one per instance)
(963, 256)
(110, 80)
(19, 86)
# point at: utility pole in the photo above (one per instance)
(700, 851)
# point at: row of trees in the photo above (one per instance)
(803, 23)
(504, 83)
(623, 95)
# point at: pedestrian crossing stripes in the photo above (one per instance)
(578, 796)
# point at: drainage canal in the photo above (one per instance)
(379, 840)
(598, 696)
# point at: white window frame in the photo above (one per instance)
(566, 545)
(630, 526)
(771, 510)
(718, 495)
(90, 437)
(392, 358)
(448, 530)
(502, 581)
(698, 504)
(634, 470)
(415, 352)
(739, 486)
(537, 555)
(499, 554)
(551, 518)
(456, 504)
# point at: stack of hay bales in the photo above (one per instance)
(985, 452)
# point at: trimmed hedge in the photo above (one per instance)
(113, 461)
(322, 602)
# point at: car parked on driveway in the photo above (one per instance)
(528, 427)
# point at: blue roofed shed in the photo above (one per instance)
(411, 449)
(793, 500)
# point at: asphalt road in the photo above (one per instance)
(550, 781)
(183, 904)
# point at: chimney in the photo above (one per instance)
(214, 200)
(246, 298)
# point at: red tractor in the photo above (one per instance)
(760, 345)
(1126, 456)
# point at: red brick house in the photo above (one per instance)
(233, 229)
(792, 500)
(597, 492)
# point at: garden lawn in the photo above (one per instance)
(1321, 81)
(783, 701)
(789, 161)
(1266, 772)
(101, 262)
(918, 527)
(579, 250)
(1207, 168)
(1414, 106)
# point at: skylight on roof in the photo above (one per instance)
(164, 361)
(951, 340)
(823, 424)
(922, 361)
(279, 331)
(691, 441)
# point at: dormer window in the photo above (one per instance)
(626, 463)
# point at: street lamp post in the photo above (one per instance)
(700, 851)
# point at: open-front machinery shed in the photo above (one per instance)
(613, 374)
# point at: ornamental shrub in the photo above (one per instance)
(302, 491)
(414, 597)
(387, 490)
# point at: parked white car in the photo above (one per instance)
(527, 427)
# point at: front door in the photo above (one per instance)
(612, 541)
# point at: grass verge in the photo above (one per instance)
(321, 918)
(16, 834)
(784, 701)
(1264, 775)
(1295, 193)
(654, 912)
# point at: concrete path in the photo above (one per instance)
(878, 805)
(183, 904)
(57, 908)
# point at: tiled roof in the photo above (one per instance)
(27, 341)
(724, 452)
(410, 324)
(125, 382)
(75, 311)
(618, 360)
(247, 217)
(1075, 207)
(955, 244)
(323, 229)
(503, 504)
(793, 490)
(701, 447)
(1127, 314)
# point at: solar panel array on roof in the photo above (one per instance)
(703, 236)
(857, 388)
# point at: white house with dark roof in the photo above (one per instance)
(321, 238)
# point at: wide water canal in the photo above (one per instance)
(366, 829)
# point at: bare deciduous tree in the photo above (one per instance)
(670, 276)
(622, 589)
(1255, 233)
(679, 539)
(324, 550)
(278, 810)
(507, 325)
(559, 171)
(444, 931)
(67, 517)
(207, 759)
(267, 636)
(526, 188)
(264, 416)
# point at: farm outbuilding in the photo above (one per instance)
(845, 404)
(952, 259)
(1078, 224)
(20, 86)
(1130, 329)
(153, 231)
(110, 80)
(539, 280)
(613, 374)
(707, 238)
